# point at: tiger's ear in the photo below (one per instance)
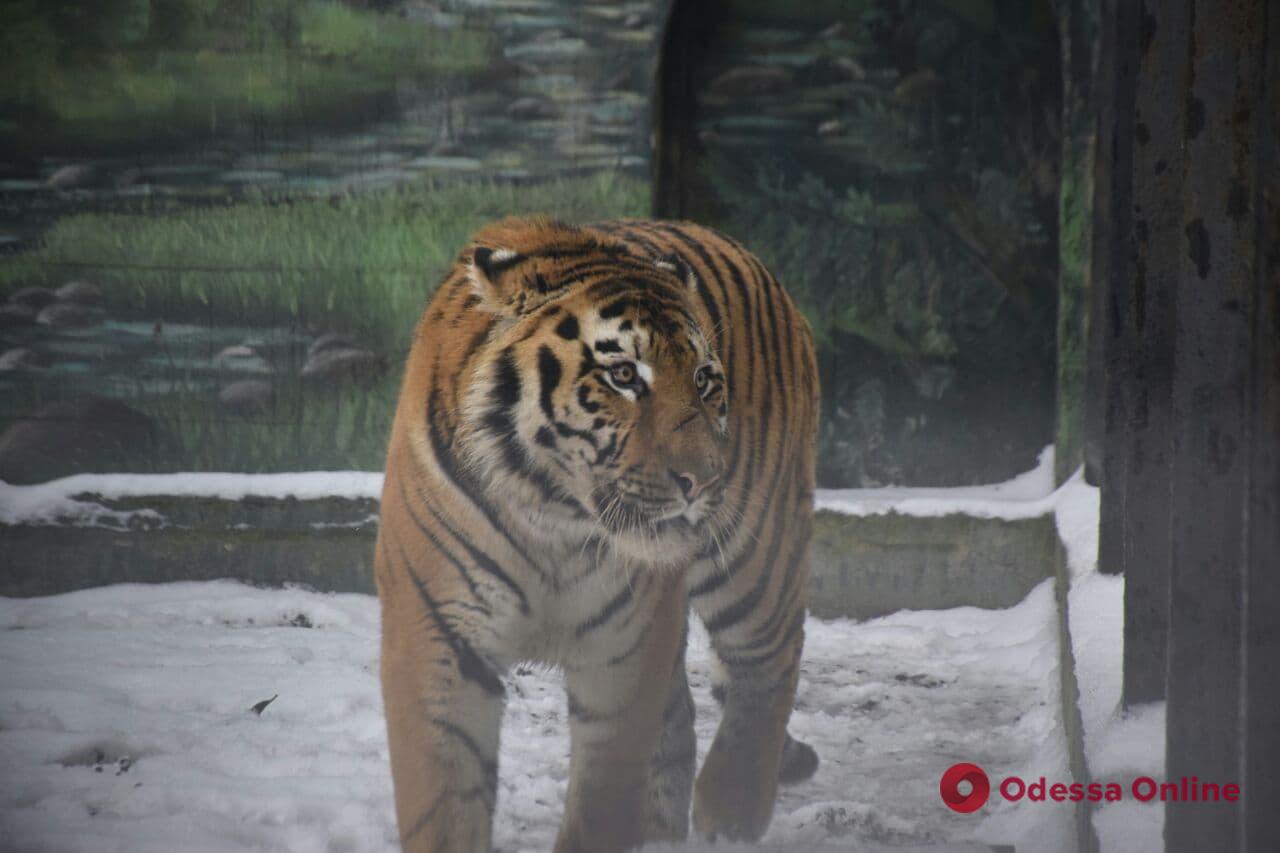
(506, 263)
(676, 265)
(491, 274)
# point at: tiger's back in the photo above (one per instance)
(597, 426)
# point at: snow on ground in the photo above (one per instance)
(125, 723)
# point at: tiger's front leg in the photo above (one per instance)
(444, 712)
(738, 783)
(616, 702)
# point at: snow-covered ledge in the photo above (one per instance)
(82, 499)
(1028, 495)
(75, 500)
(876, 551)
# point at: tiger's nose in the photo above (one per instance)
(690, 485)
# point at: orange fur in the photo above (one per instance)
(598, 427)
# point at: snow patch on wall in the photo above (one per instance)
(55, 502)
(1119, 745)
(1028, 495)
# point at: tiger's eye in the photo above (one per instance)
(700, 378)
(623, 373)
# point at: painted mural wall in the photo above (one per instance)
(896, 163)
(220, 218)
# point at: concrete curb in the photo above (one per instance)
(862, 566)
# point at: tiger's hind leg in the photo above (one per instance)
(799, 761)
(670, 786)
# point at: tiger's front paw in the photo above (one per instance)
(733, 798)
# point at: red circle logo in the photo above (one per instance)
(971, 801)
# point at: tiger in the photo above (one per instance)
(600, 427)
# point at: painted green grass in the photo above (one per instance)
(386, 42)
(359, 263)
(330, 58)
(334, 428)
(364, 265)
(201, 90)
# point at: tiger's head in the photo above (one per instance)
(598, 407)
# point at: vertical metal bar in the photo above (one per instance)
(1146, 377)
(1212, 389)
(1261, 781)
(1110, 90)
(1118, 80)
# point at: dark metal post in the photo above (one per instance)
(1143, 128)
(1261, 717)
(1111, 342)
(689, 27)
(1108, 211)
(1222, 388)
